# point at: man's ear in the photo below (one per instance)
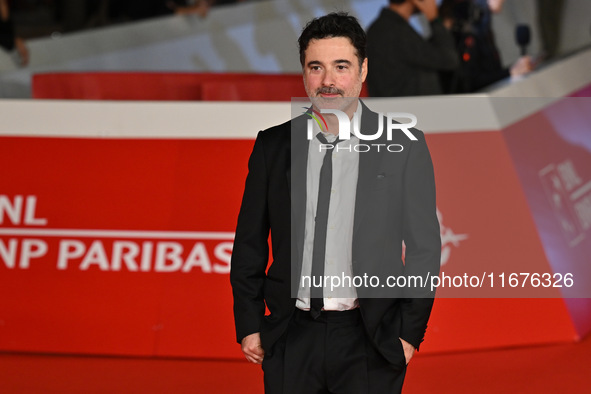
(364, 70)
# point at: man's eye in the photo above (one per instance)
(315, 68)
(341, 67)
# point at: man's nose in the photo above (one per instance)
(328, 78)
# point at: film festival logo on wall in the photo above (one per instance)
(345, 129)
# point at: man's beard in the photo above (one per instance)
(340, 102)
(329, 90)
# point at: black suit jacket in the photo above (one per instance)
(395, 201)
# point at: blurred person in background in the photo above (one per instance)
(403, 63)
(8, 38)
(470, 22)
(81, 14)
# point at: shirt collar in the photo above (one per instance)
(331, 137)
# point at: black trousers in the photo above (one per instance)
(331, 354)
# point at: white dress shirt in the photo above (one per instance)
(339, 235)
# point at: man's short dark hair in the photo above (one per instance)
(397, 1)
(335, 24)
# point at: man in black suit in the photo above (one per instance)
(341, 213)
(403, 62)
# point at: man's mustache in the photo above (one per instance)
(329, 90)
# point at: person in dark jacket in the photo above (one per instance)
(338, 213)
(470, 21)
(402, 62)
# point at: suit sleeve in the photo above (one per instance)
(422, 239)
(251, 251)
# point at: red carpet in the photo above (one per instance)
(560, 368)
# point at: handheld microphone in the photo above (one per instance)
(523, 37)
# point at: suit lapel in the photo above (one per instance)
(368, 167)
(296, 178)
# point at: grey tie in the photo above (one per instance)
(321, 222)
